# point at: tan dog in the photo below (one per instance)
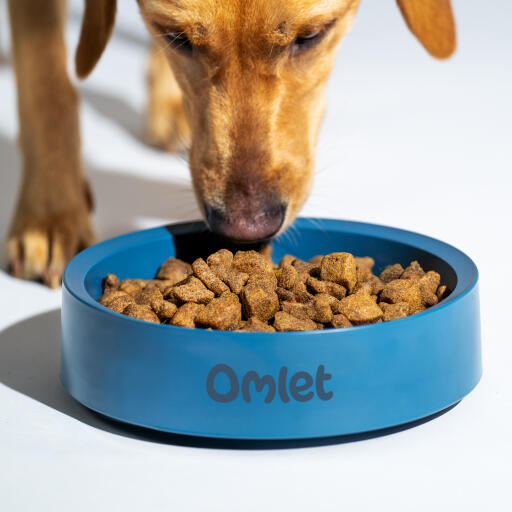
(246, 91)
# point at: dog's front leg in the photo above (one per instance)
(51, 221)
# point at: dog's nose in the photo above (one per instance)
(250, 226)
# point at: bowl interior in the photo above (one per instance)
(142, 258)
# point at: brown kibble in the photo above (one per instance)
(223, 313)
(141, 312)
(166, 310)
(302, 267)
(322, 308)
(251, 262)
(285, 295)
(413, 271)
(360, 309)
(403, 290)
(364, 262)
(301, 293)
(186, 315)
(442, 292)
(256, 325)
(428, 284)
(110, 283)
(118, 304)
(340, 320)
(286, 322)
(286, 260)
(131, 286)
(316, 260)
(236, 280)
(266, 280)
(109, 295)
(205, 274)
(246, 291)
(339, 267)
(259, 301)
(221, 258)
(150, 296)
(287, 277)
(192, 290)
(174, 270)
(298, 310)
(395, 311)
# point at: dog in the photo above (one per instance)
(241, 83)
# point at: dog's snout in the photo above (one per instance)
(252, 225)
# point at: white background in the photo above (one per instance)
(407, 141)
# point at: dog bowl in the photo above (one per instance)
(270, 385)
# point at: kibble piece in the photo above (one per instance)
(223, 313)
(256, 325)
(221, 258)
(364, 262)
(403, 290)
(286, 322)
(376, 284)
(322, 308)
(251, 262)
(302, 266)
(142, 312)
(413, 271)
(192, 290)
(301, 293)
(109, 295)
(339, 267)
(286, 260)
(428, 284)
(166, 310)
(340, 320)
(186, 315)
(298, 310)
(391, 272)
(285, 295)
(442, 292)
(110, 283)
(287, 277)
(131, 286)
(267, 280)
(316, 260)
(174, 270)
(259, 301)
(360, 309)
(395, 311)
(118, 304)
(150, 296)
(203, 272)
(236, 280)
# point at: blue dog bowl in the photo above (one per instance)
(270, 385)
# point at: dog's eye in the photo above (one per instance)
(305, 41)
(177, 40)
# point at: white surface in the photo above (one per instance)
(407, 141)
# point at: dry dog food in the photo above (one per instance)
(247, 292)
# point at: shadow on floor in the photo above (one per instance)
(30, 364)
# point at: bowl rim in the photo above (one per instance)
(73, 280)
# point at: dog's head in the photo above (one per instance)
(253, 75)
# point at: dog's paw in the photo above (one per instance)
(40, 246)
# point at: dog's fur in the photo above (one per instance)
(247, 98)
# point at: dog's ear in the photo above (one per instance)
(97, 25)
(431, 21)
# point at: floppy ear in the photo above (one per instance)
(96, 30)
(431, 21)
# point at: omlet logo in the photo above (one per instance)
(299, 387)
